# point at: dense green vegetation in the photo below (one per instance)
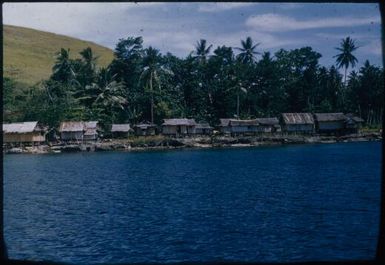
(142, 84)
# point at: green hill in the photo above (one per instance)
(29, 54)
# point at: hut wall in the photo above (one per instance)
(244, 129)
(190, 130)
(167, 129)
(352, 128)
(119, 134)
(181, 129)
(178, 129)
(23, 137)
(306, 128)
(203, 131)
(225, 129)
(37, 137)
(140, 132)
(330, 125)
(265, 128)
(144, 132)
(150, 131)
(11, 138)
(90, 137)
(66, 136)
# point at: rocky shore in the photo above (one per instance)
(161, 143)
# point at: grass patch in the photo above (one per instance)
(30, 54)
(371, 128)
(143, 140)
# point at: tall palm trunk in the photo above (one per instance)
(152, 100)
(343, 90)
(346, 69)
(112, 114)
(238, 105)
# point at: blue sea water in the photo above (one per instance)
(275, 204)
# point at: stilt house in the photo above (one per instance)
(268, 125)
(23, 133)
(120, 130)
(297, 123)
(145, 129)
(178, 127)
(330, 123)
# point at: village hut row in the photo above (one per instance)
(297, 123)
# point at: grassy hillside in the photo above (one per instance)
(29, 54)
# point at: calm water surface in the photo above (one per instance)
(291, 203)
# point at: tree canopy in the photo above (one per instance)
(141, 84)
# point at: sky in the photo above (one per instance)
(176, 27)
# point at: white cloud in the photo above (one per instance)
(107, 23)
(276, 23)
(177, 27)
(219, 7)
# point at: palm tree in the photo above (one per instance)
(130, 48)
(238, 86)
(88, 58)
(224, 55)
(104, 94)
(108, 93)
(63, 69)
(248, 52)
(86, 70)
(202, 51)
(346, 58)
(150, 73)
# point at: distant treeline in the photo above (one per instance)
(142, 84)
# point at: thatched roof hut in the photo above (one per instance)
(78, 130)
(268, 125)
(23, 132)
(330, 122)
(91, 130)
(353, 123)
(297, 122)
(145, 129)
(203, 128)
(121, 130)
(178, 126)
(235, 126)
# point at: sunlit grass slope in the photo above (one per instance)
(29, 54)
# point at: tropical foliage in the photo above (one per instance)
(208, 84)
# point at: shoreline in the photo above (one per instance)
(157, 143)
